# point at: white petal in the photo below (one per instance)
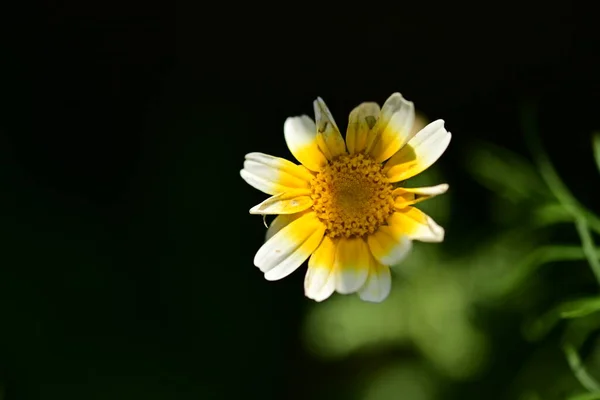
(360, 124)
(285, 251)
(329, 139)
(393, 128)
(319, 282)
(419, 153)
(351, 265)
(274, 175)
(291, 202)
(415, 224)
(280, 222)
(388, 247)
(378, 285)
(301, 138)
(407, 196)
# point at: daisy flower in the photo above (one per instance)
(343, 206)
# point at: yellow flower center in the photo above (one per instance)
(351, 196)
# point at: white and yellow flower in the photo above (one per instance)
(343, 206)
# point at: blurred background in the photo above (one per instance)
(127, 248)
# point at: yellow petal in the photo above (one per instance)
(389, 247)
(285, 251)
(301, 137)
(360, 123)
(290, 202)
(393, 128)
(329, 138)
(319, 282)
(415, 224)
(419, 153)
(274, 175)
(378, 284)
(407, 196)
(351, 265)
(281, 221)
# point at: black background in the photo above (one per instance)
(126, 245)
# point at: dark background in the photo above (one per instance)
(126, 259)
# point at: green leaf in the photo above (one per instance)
(550, 214)
(528, 265)
(505, 173)
(539, 327)
(579, 308)
(585, 396)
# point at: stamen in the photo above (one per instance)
(352, 197)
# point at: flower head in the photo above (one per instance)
(343, 206)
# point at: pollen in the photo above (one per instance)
(351, 196)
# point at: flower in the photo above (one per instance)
(343, 206)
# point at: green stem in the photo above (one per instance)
(586, 380)
(582, 217)
(588, 246)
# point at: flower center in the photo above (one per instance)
(351, 196)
